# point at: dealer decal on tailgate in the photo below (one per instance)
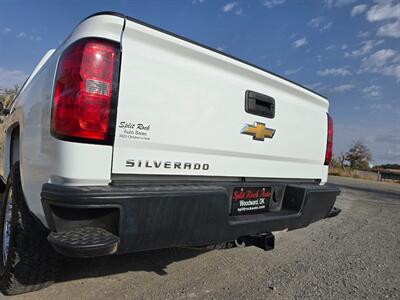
(250, 200)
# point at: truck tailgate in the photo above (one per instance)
(181, 111)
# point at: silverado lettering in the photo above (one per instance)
(131, 163)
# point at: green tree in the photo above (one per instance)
(358, 156)
(388, 166)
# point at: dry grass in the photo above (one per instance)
(347, 172)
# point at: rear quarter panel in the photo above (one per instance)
(42, 157)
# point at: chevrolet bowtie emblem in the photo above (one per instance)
(258, 131)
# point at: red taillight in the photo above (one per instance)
(329, 142)
(84, 90)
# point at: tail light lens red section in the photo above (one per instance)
(329, 142)
(85, 87)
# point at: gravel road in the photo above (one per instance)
(355, 255)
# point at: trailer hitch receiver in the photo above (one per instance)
(264, 241)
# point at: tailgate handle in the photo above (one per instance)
(260, 104)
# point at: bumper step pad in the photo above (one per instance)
(84, 242)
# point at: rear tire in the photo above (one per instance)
(27, 261)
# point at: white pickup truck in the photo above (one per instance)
(128, 138)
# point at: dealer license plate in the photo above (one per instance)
(250, 200)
